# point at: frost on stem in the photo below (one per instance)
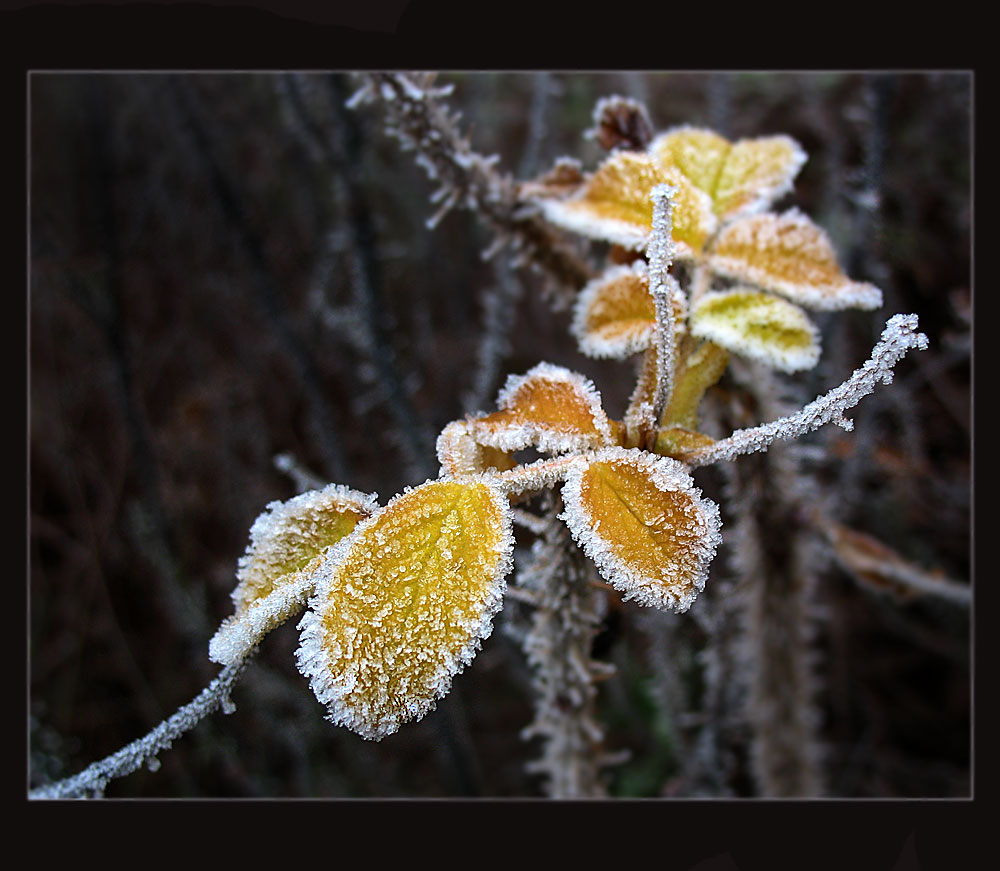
(568, 612)
(662, 286)
(91, 782)
(899, 336)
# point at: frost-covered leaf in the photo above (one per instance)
(289, 535)
(550, 408)
(274, 576)
(758, 325)
(404, 602)
(615, 205)
(678, 441)
(792, 256)
(615, 315)
(741, 177)
(640, 518)
(460, 454)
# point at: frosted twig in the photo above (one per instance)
(468, 179)
(303, 478)
(662, 287)
(91, 781)
(899, 336)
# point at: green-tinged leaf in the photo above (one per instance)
(404, 602)
(759, 326)
(740, 177)
(790, 255)
(640, 518)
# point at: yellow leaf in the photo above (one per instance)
(740, 177)
(274, 577)
(790, 255)
(404, 603)
(615, 316)
(758, 325)
(640, 518)
(550, 408)
(616, 205)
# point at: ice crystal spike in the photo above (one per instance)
(759, 326)
(403, 603)
(275, 574)
(645, 525)
(550, 408)
(741, 177)
(790, 255)
(614, 315)
(615, 205)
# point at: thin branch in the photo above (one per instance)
(899, 336)
(468, 179)
(91, 782)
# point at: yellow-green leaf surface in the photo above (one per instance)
(550, 408)
(790, 255)
(274, 577)
(403, 603)
(616, 205)
(759, 326)
(640, 518)
(740, 177)
(702, 368)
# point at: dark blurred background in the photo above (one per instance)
(229, 267)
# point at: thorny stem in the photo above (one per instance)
(92, 781)
(558, 644)
(776, 580)
(467, 178)
(898, 337)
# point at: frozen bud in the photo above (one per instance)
(620, 123)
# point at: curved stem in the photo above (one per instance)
(91, 781)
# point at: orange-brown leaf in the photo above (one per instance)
(550, 408)
(644, 523)
(792, 256)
